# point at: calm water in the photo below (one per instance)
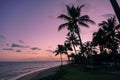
(12, 69)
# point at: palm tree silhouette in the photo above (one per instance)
(59, 51)
(74, 19)
(72, 39)
(72, 56)
(112, 30)
(99, 39)
(88, 49)
(67, 47)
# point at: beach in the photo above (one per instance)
(37, 74)
(16, 70)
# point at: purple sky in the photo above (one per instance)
(28, 28)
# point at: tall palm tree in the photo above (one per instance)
(112, 29)
(73, 19)
(59, 51)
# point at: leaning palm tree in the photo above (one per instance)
(59, 51)
(73, 19)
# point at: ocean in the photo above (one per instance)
(10, 70)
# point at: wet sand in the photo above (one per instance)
(38, 74)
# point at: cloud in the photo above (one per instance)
(7, 44)
(49, 50)
(21, 41)
(17, 45)
(18, 51)
(108, 15)
(8, 49)
(2, 37)
(26, 46)
(35, 48)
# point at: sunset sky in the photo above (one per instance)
(28, 28)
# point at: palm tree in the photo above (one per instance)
(88, 48)
(67, 47)
(72, 39)
(73, 19)
(59, 51)
(112, 29)
(99, 39)
(74, 58)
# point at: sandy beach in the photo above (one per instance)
(38, 74)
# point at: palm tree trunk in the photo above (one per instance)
(91, 57)
(80, 41)
(116, 8)
(78, 33)
(101, 49)
(61, 59)
(68, 58)
(74, 48)
(82, 51)
(115, 54)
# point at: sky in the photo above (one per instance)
(29, 28)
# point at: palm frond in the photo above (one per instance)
(62, 26)
(86, 18)
(68, 8)
(56, 53)
(82, 6)
(104, 23)
(65, 17)
(117, 27)
(83, 24)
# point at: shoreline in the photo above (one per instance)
(37, 74)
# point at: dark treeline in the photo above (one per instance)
(104, 47)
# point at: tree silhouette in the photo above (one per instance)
(99, 39)
(72, 39)
(111, 29)
(88, 48)
(59, 51)
(67, 47)
(73, 19)
(116, 8)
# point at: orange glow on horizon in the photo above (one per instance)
(29, 56)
